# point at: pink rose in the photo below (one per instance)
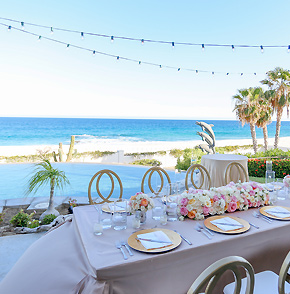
(184, 201)
(215, 198)
(234, 199)
(183, 210)
(223, 196)
(232, 206)
(249, 203)
(252, 193)
(205, 210)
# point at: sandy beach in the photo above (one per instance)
(132, 147)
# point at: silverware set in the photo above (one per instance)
(203, 230)
(263, 217)
(119, 246)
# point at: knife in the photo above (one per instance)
(151, 240)
(187, 241)
(232, 225)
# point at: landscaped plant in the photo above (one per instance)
(33, 224)
(151, 162)
(188, 155)
(72, 202)
(48, 219)
(21, 219)
(257, 167)
(1, 217)
(45, 174)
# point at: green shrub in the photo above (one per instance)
(48, 219)
(150, 162)
(189, 154)
(1, 217)
(33, 224)
(257, 167)
(278, 153)
(21, 219)
(176, 153)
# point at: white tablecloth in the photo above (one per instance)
(216, 165)
(71, 259)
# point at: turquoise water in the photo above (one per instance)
(51, 131)
(14, 178)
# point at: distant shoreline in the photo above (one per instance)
(133, 147)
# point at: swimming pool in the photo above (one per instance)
(14, 179)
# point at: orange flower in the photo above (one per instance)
(144, 202)
(238, 204)
(133, 197)
(191, 201)
(191, 214)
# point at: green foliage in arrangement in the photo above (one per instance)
(21, 219)
(150, 162)
(48, 219)
(33, 224)
(257, 167)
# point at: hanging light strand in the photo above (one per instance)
(94, 52)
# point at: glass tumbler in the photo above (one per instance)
(120, 216)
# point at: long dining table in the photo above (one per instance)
(71, 259)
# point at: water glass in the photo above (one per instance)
(97, 225)
(270, 176)
(157, 211)
(163, 219)
(106, 220)
(269, 165)
(120, 215)
(136, 222)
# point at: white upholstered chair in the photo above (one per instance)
(210, 276)
(267, 282)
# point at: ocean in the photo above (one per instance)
(20, 131)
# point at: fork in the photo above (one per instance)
(123, 243)
(201, 230)
(257, 215)
(206, 229)
(119, 246)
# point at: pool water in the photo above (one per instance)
(14, 180)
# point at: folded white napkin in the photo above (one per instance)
(156, 235)
(121, 206)
(278, 211)
(227, 224)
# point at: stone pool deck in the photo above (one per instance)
(12, 247)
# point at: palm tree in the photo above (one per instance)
(264, 112)
(278, 80)
(46, 174)
(246, 111)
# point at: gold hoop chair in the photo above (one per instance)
(240, 169)
(210, 276)
(151, 171)
(98, 175)
(268, 282)
(202, 170)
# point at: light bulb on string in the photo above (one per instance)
(39, 38)
(94, 53)
(262, 49)
(118, 57)
(233, 48)
(288, 48)
(67, 46)
(196, 71)
(160, 66)
(142, 41)
(255, 74)
(178, 69)
(112, 39)
(82, 35)
(202, 47)
(139, 62)
(242, 73)
(228, 73)
(9, 28)
(172, 45)
(22, 24)
(51, 30)
(212, 73)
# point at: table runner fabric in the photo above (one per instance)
(216, 165)
(71, 259)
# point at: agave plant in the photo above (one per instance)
(45, 174)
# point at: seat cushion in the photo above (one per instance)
(265, 282)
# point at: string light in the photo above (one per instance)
(111, 55)
(228, 73)
(202, 47)
(242, 73)
(39, 38)
(142, 40)
(288, 48)
(82, 35)
(262, 49)
(112, 39)
(172, 44)
(233, 48)
(51, 30)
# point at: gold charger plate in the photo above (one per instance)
(263, 211)
(137, 245)
(209, 225)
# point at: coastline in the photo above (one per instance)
(133, 147)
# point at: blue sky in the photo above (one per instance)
(45, 79)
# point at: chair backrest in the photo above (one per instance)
(98, 175)
(241, 172)
(283, 275)
(203, 171)
(161, 172)
(210, 276)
